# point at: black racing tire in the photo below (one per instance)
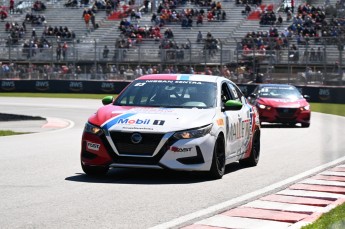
(305, 125)
(217, 169)
(254, 157)
(95, 170)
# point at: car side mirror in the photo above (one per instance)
(107, 100)
(307, 97)
(232, 105)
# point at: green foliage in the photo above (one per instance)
(328, 108)
(334, 219)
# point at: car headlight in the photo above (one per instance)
(264, 107)
(89, 128)
(305, 108)
(193, 133)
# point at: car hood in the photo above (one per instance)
(146, 119)
(288, 103)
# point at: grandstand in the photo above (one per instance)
(86, 46)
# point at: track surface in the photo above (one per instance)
(43, 186)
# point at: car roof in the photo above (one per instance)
(191, 77)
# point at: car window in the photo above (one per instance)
(280, 92)
(235, 93)
(169, 93)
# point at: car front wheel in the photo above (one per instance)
(218, 160)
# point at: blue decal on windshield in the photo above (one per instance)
(184, 77)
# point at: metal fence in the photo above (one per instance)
(313, 61)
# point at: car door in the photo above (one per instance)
(238, 121)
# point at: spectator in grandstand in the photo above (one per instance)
(33, 33)
(39, 6)
(7, 26)
(87, 17)
(11, 8)
(247, 9)
(199, 19)
(268, 18)
(3, 14)
(105, 51)
(319, 54)
(58, 52)
(293, 54)
(93, 21)
(223, 15)
(71, 3)
(280, 19)
(199, 37)
(168, 34)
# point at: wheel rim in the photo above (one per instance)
(256, 148)
(219, 158)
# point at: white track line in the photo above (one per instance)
(227, 204)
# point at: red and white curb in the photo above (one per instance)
(298, 205)
(56, 123)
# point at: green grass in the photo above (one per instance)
(334, 219)
(328, 108)
(9, 132)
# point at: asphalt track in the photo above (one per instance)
(43, 186)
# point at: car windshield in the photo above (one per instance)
(169, 93)
(289, 92)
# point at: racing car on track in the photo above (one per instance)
(173, 121)
(281, 103)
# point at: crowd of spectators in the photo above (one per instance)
(35, 19)
(307, 27)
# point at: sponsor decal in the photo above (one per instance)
(152, 110)
(93, 146)
(239, 129)
(8, 85)
(136, 128)
(220, 122)
(133, 121)
(42, 85)
(158, 122)
(174, 81)
(324, 94)
(76, 86)
(107, 87)
(180, 150)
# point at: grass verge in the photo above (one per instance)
(332, 219)
(9, 132)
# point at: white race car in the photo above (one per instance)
(173, 121)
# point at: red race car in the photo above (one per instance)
(281, 103)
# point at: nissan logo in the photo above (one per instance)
(136, 138)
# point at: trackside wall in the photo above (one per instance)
(319, 94)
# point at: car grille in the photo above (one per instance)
(125, 146)
(286, 112)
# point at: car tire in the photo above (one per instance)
(95, 170)
(217, 169)
(305, 125)
(253, 159)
